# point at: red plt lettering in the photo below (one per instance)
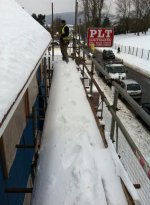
(100, 37)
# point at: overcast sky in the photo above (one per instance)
(44, 6)
(59, 6)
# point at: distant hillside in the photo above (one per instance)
(68, 16)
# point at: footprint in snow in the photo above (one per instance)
(70, 156)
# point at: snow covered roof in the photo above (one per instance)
(23, 41)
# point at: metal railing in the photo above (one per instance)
(116, 122)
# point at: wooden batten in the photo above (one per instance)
(32, 93)
(13, 133)
(14, 130)
(3, 158)
(41, 71)
(127, 194)
(26, 104)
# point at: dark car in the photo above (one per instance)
(146, 107)
(108, 55)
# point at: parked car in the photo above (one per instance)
(115, 70)
(132, 87)
(146, 107)
(108, 55)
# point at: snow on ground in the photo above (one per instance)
(74, 167)
(141, 41)
(22, 42)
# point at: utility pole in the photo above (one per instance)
(75, 29)
(52, 33)
(76, 16)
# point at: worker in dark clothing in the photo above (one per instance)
(64, 40)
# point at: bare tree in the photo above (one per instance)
(86, 12)
(145, 14)
(95, 8)
(137, 14)
(124, 8)
(92, 11)
(142, 14)
(100, 7)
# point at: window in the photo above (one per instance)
(133, 87)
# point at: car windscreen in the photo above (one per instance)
(133, 86)
(116, 69)
(109, 53)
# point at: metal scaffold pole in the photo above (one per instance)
(75, 29)
(52, 33)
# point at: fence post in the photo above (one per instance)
(142, 54)
(148, 55)
(133, 51)
(136, 51)
(121, 48)
(129, 50)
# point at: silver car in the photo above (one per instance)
(132, 87)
